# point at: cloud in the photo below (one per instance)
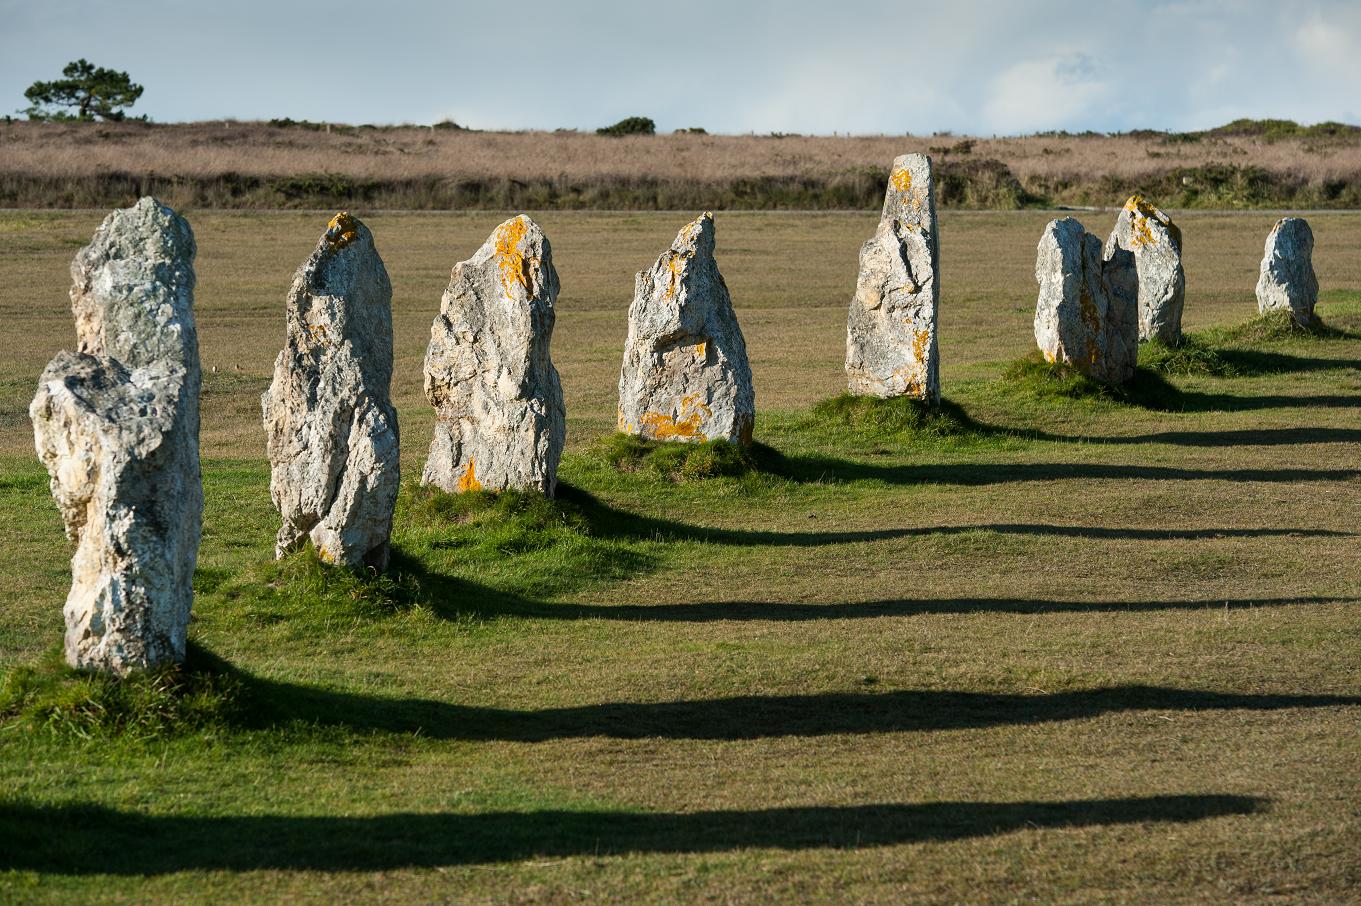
(1055, 92)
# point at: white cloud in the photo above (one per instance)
(1049, 93)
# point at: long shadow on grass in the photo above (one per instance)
(780, 612)
(274, 703)
(824, 468)
(76, 839)
(608, 522)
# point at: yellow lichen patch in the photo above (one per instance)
(676, 266)
(325, 556)
(701, 348)
(687, 425)
(912, 380)
(901, 180)
(469, 480)
(920, 343)
(318, 332)
(341, 231)
(1049, 357)
(509, 258)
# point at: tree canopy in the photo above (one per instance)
(86, 92)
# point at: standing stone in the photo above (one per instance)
(1156, 243)
(685, 374)
(1287, 281)
(332, 431)
(891, 329)
(1087, 313)
(499, 416)
(116, 424)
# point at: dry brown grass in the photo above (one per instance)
(249, 164)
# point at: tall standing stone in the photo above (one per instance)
(1155, 242)
(116, 424)
(499, 416)
(1087, 312)
(685, 374)
(332, 430)
(1287, 281)
(891, 345)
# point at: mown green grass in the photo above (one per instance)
(1034, 645)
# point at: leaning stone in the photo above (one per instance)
(332, 430)
(685, 374)
(891, 345)
(1087, 313)
(1156, 243)
(1287, 281)
(499, 416)
(116, 424)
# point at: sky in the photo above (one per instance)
(981, 67)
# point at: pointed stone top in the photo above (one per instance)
(909, 197)
(132, 287)
(1140, 210)
(519, 246)
(697, 236)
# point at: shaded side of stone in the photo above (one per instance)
(500, 421)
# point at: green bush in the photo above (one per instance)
(632, 125)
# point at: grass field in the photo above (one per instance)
(1065, 648)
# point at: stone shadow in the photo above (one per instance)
(90, 839)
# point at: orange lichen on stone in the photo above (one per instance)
(514, 267)
(341, 231)
(701, 349)
(920, 342)
(901, 180)
(1049, 357)
(1144, 211)
(686, 426)
(469, 480)
(325, 556)
(676, 266)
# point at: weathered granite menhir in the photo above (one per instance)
(116, 423)
(685, 375)
(332, 430)
(891, 347)
(499, 416)
(1087, 312)
(1155, 242)
(1287, 281)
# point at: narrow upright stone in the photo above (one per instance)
(331, 428)
(499, 416)
(116, 424)
(1156, 243)
(891, 345)
(1087, 312)
(685, 374)
(1287, 281)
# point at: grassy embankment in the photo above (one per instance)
(1050, 643)
(1246, 164)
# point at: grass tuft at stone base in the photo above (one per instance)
(200, 695)
(675, 461)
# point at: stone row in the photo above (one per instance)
(116, 422)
